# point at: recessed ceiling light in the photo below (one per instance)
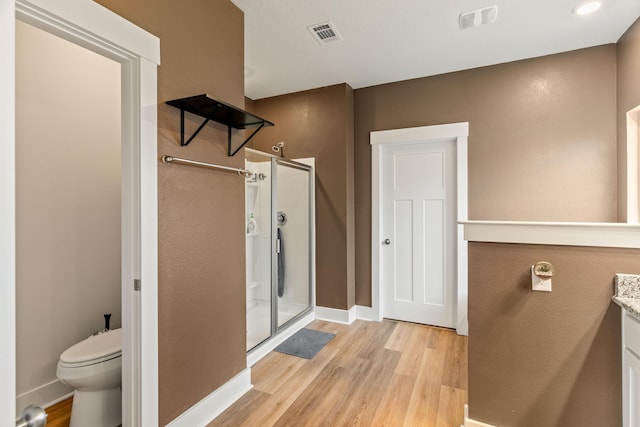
(587, 7)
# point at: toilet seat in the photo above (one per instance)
(95, 349)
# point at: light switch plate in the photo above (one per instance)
(540, 283)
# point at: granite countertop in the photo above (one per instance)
(627, 293)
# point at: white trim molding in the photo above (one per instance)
(7, 215)
(49, 394)
(346, 317)
(203, 412)
(93, 22)
(468, 422)
(608, 235)
(459, 134)
(96, 28)
(633, 165)
(366, 313)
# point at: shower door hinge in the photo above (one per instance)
(137, 284)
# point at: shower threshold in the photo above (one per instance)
(259, 319)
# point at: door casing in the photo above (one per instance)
(633, 165)
(458, 133)
(92, 26)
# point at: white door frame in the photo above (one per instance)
(458, 133)
(96, 28)
(633, 165)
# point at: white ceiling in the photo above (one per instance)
(393, 40)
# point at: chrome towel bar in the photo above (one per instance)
(171, 159)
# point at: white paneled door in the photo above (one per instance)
(418, 232)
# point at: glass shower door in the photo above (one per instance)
(279, 233)
(291, 265)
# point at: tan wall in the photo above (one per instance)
(248, 104)
(201, 212)
(628, 98)
(545, 359)
(542, 139)
(318, 123)
(530, 122)
(67, 206)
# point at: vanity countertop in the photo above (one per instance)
(627, 293)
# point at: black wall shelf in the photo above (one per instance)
(218, 111)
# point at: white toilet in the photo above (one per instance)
(93, 368)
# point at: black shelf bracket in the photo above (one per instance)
(245, 141)
(218, 111)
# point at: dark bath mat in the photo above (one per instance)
(305, 343)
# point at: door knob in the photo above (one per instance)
(32, 416)
(386, 242)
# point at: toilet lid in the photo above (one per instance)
(95, 347)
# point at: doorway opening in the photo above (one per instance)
(457, 134)
(68, 192)
(137, 53)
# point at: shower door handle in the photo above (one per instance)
(386, 242)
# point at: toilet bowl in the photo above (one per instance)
(93, 368)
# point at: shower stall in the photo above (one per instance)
(279, 209)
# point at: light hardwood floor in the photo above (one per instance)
(371, 374)
(59, 414)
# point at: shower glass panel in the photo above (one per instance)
(279, 238)
(292, 224)
(258, 249)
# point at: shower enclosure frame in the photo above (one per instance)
(289, 324)
(275, 161)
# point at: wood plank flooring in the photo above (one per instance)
(371, 374)
(59, 415)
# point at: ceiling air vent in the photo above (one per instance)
(474, 18)
(325, 32)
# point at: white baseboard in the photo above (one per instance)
(335, 315)
(203, 412)
(213, 405)
(468, 422)
(45, 395)
(261, 351)
(463, 330)
(367, 313)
